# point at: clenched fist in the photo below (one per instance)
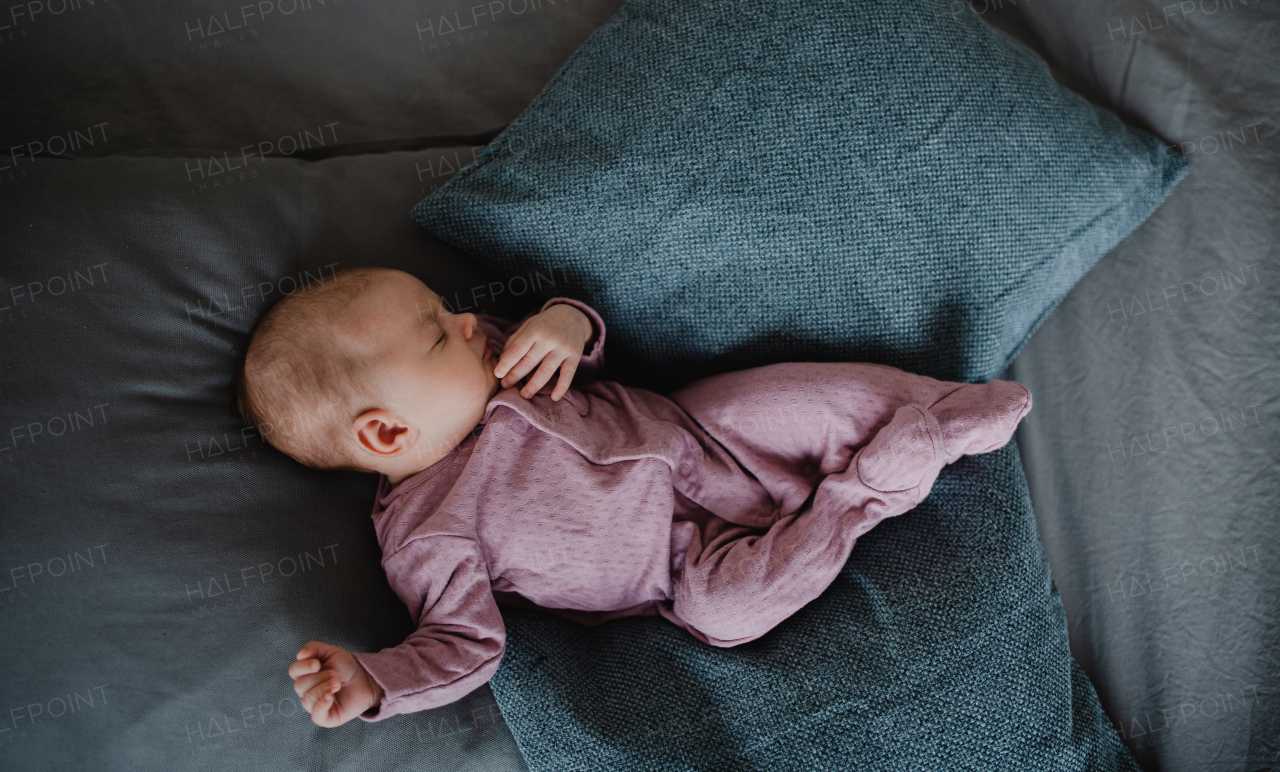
(332, 685)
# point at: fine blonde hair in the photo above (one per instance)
(296, 385)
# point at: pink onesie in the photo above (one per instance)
(724, 507)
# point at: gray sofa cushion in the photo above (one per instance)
(160, 565)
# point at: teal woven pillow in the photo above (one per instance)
(753, 181)
(737, 184)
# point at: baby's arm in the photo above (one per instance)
(555, 337)
(456, 648)
(444, 582)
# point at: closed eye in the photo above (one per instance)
(444, 336)
(435, 319)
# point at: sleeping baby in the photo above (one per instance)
(723, 507)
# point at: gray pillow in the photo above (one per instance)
(161, 564)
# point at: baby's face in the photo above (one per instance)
(435, 370)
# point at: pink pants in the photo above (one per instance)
(863, 449)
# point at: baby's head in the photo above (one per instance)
(367, 372)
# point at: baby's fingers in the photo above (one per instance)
(567, 368)
(540, 378)
(320, 695)
(512, 352)
(306, 683)
(303, 667)
(318, 650)
(532, 356)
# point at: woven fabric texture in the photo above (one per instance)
(941, 646)
(733, 185)
(738, 184)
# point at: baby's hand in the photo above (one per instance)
(333, 686)
(555, 338)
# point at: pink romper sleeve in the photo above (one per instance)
(444, 582)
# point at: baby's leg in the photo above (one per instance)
(791, 423)
(735, 583)
(839, 446)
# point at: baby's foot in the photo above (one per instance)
(980, 417)
(903, 453)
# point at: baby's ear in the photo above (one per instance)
(380, 431)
